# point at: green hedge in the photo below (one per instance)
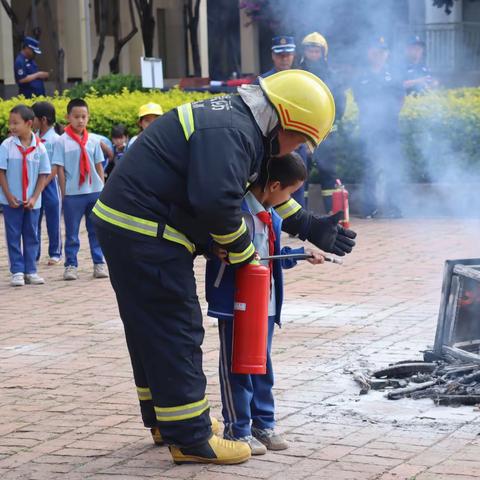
(107, 110)
(439, 131)
(106, 85)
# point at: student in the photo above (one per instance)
(80, 174)
(146, 115)
(119, 142)
(24, 167)
(44, 125)
(248, 404)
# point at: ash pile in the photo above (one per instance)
(450, 373)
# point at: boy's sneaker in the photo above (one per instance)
(214, 450)
(53, 261)
(100, 270)
(34, 279)
(272, 440)
(256, 447)
(70, 273)
(17, 280)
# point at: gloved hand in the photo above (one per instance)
(326, 234)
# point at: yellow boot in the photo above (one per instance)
(157, 436)
(215, 450)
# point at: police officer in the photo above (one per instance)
(418, 77)
(27, 75)
(283, 54)
(315, 60)
(184, 190)
(379, 97)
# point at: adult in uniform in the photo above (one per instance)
(27, 74)
(315, 60)
(283, 54)
(379, 96)
(183, 190)
(418, 77)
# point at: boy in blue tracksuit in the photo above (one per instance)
(44, 124)
(248, 404)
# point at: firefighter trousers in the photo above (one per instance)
(156, 294)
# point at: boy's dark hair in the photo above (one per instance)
(76, 102)
(25, 112)
(45, 109)
(288, 170)
(119, 131)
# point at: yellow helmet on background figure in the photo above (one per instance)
(150, 109)
(303, 103)
(315, 39)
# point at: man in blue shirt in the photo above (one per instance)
(27, 75)
(283, 54)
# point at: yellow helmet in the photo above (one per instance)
(315, 39)
(303, 103)
(150, 109)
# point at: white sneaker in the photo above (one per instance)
(100, 270)
(70, 273)
(271, 439)
(17, 280)
(53, 261)
(256, 447)
(34, 279)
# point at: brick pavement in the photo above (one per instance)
(69, 411)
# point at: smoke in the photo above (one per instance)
(422, 164)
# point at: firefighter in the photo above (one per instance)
(185, 189)
(315, 60)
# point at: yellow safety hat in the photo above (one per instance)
(150, 109)
(303, 103)
(315, 39)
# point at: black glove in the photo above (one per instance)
(324, 232)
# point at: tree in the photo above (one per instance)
(119, 43)
(147, 24)
(102, 32)
(193, 17)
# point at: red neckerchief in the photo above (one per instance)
(84, 161)
(266, 218)
(25, 153)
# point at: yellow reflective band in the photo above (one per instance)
(230, 237)
(123, 220)
(144, 393)
(185, 115)
(288, 209)
(242, 256)
(183, 412)
(328, 193)
(178, 237)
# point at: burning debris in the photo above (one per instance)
(450, 373)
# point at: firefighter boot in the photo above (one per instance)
(215, 450)
(157, 436)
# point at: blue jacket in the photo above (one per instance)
(24, 67)
(220, 299)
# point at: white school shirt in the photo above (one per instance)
(11, 161)
(66, 153)
(49, 139)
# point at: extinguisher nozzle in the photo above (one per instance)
(334, 260)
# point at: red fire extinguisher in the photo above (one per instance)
(250, 319)
(340, 202)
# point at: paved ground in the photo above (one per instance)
(68, 408)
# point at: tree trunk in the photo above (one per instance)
(56, 45)
(102, 7)
(120, 42)
(193, 19)
(145, 9)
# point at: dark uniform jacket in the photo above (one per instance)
(187, 174)
(23, 68)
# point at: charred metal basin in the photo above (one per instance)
(458, 327)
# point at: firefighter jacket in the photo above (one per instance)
(220, 286)
(185, 177)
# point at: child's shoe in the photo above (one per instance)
(272, 440)
(17, 280)
(53, 261)
(214, 450)
(34, 279)
(256, 447)
(100, 270)
(70, 273)
(157, 436)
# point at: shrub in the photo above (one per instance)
(108, 84)
(107, 110)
